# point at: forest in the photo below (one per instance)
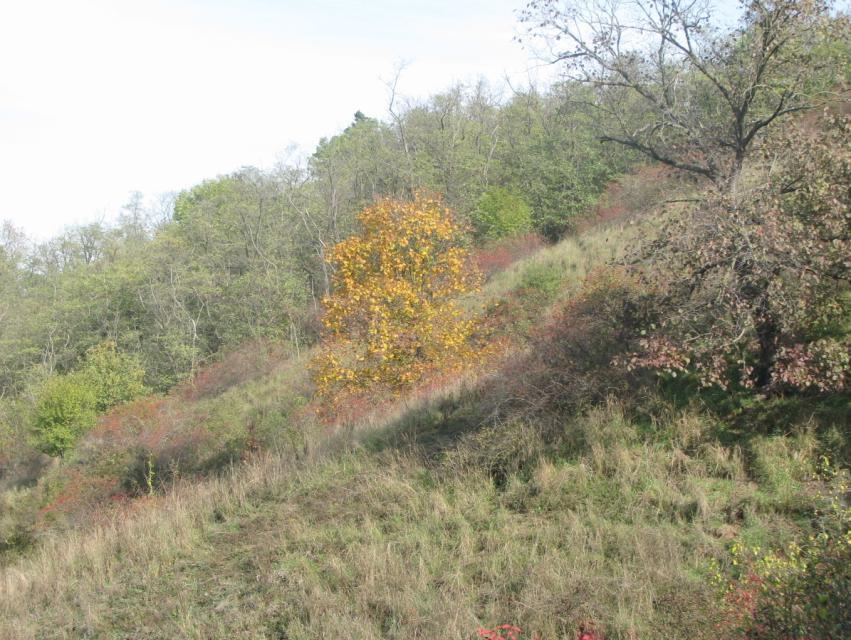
(243, 256)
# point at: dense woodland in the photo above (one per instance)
(242, 256)
(614, 309)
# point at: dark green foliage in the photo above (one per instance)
(448, 143)
(358, 165)
(548, 155)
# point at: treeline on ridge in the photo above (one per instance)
(243, 256)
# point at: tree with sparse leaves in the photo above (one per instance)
(673, 86)
(757, 283)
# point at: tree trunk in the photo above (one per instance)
(767, 333)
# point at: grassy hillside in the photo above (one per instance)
(602, 518)
(524, 491)
(259, 397)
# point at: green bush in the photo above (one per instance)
(115, 377)
(542, 277)
(500, 213)
(67, 406)
(65, 409)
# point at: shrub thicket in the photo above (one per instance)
(803, 591)
(501, 213)
(67, 406)
(65, 410)
(755, 283)
(572, 356)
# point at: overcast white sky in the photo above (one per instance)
(100, 98)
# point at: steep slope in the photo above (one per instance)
(471, 503)
(258, 398)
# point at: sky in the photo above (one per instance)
(102, 98)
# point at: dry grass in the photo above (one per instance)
(571, 259)
(611, 526)
(69, 570)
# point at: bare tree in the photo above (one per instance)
(673, 86)
(399, 120)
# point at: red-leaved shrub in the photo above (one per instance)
(249, 362)
(496, 256)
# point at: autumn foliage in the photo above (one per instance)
(757, 281)
(393, 315)
(801, 591)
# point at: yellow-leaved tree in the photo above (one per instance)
(392, 315)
